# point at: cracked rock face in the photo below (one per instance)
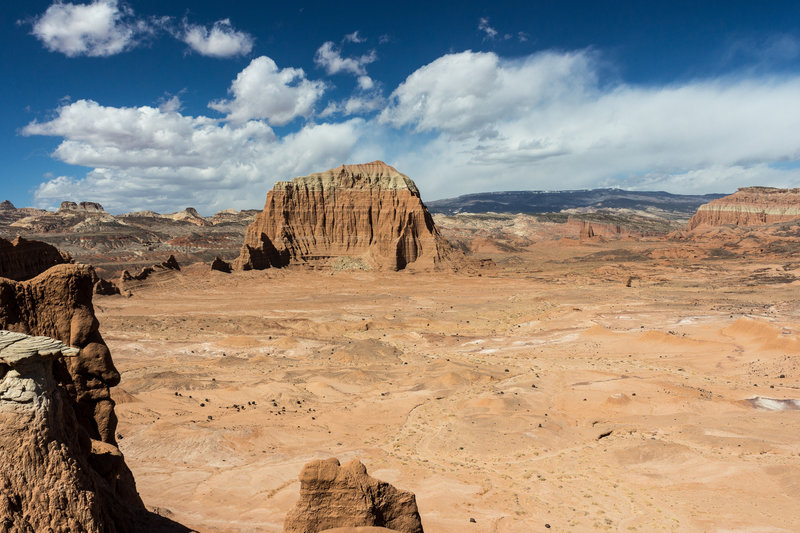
(371, 212)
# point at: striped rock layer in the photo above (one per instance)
(370, 212)
(750, 206)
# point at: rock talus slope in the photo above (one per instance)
(334, 496)
(750, 206)
(369, 211)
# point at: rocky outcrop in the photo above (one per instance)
(369, 211)
(127, 279)
(750, 206)
(83, 207)
(113, 243)
(589, 229)
(60, 468)
(21, 259)
(103, 287)
(334, 496)
(58, 304)
(190, 215)
(220, 265)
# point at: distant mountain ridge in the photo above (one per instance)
(533, 202)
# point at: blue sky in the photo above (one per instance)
(155, 105)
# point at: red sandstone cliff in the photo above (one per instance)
(750, 206)
(370, 212)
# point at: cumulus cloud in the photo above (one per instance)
(546, 121)
(354, 38)
(222, 40)
(459, 93)
(466, 122)
(149, 158)
(330, 58)
(264, 91)
(101, 28)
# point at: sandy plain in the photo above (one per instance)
(543, 392)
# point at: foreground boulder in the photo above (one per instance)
(60, 468)
(22, 259)
(370, 212)
(334, 496)
(750, 206)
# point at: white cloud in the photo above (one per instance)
(483, 25)
(222, 40)
(354, 38)
(147, 158)
(459, 93)
(101, 28)
(173, 103)
(545, 121)
(330, 58)
(365, 83)
(366, 103)
(466, 122)
(263, 91)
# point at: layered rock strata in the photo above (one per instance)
(22, 259)
(334, 496)
(750, 206)
(369, 211)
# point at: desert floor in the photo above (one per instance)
(544, 391)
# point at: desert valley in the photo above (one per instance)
(600, 366)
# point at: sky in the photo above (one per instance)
(147, 104)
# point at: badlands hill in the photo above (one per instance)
(368, 213)
(113, 243)
(512, 220)
(584, 383)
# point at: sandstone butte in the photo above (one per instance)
(368, 212)
(60, 467)
(750, 206)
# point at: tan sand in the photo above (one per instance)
(544, 391)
